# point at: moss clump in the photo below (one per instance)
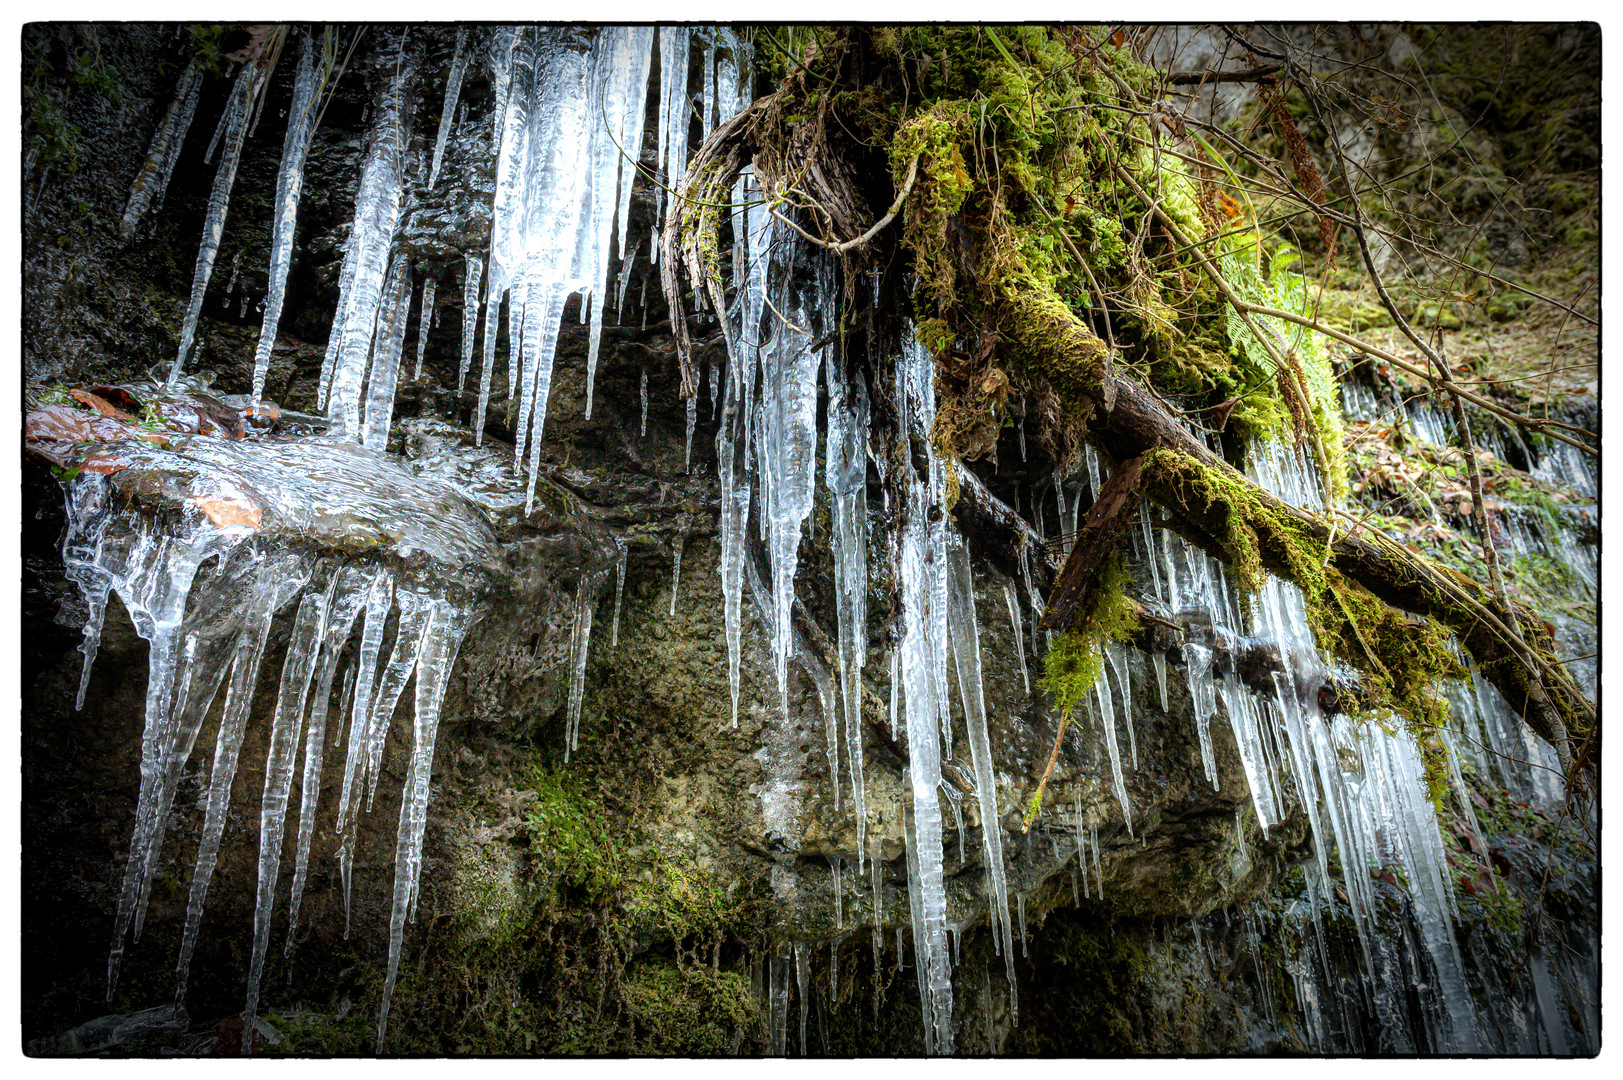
(687, 1011)
(1075, 661)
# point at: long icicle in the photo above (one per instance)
(147, 191)
(967, 654)
(236, 130)
(301, 126)
(442, 637)
(297, 668)
(453, 89)
(279, 581)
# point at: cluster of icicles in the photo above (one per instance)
(566, 127)
(568, 119)
(205, 598)
(567, 114)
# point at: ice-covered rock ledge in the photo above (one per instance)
(206, 538)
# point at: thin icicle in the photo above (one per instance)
(424, 324)
(235, 120)
(619, 591)
(580, 643)
(493, 307)
(693, 420)
(676, 572)
(147, 190)
(387, 346)
(1018, 628)
(967, 655)
(675, 111)
(301, 127)
(473, 269)
(846, 475)
(453, 89)
(441, 639)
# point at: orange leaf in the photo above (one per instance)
(226, 511)
(100, 404)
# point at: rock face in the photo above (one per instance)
(672, 884)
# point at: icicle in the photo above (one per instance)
(621, 60)
(387, 346)
(876, 882)
(1117, 654)
(236, 129)
(1018, 628)
(1020, 900)
(1203, 695)
(966, 651)
(1107, 719)
(1022, 438)
(1065, 538)
(453, 89)
(835, 863)
(675, 110)
(442, 638)
(279, 580)
(676, 571)
(147, 190)
(846, 474)
(377, 211)
(349, 592)
(715, 389)
(424, 323)
(733, 456)
(379, 600)
(301, 127)
(153, 575)
(786, 450)
(297, 669)
(470, 314)
(413, 623)
(493, 307)
(921, 646)
(619, 591)
(693, 420)
(1159, 658)
(644, 389)
(801, 979)
(580, 642)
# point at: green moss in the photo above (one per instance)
(1401, 657)
(687, 1011)
(1075, 659)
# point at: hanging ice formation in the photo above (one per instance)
(345, 369)
(208, 628)
(425, 322)
(1362, 787)
(147, 191)
(474, 268)
(301, 127)
(235, 126)
(846, 474)
(453, 90)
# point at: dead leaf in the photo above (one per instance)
(104, 464)
(100, 404)
(227, 512)
(61, 423)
